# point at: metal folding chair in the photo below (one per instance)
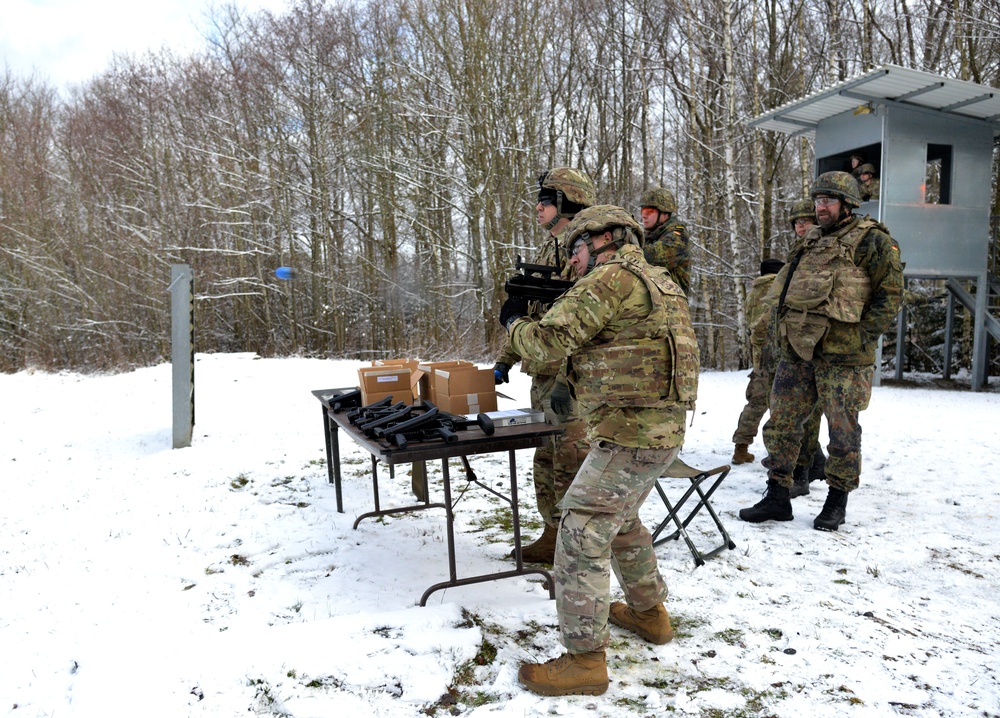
(697, 477)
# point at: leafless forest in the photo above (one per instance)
(389, 151)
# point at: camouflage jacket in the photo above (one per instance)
(606, 301)
(760, 319)
(869, 189)
(877, 255)
(667, 246)
(547, 255)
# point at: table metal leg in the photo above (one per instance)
(331, 435)
(404, 509)
(520, 570)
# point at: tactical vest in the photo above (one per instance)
(826, 285)
(653, 363)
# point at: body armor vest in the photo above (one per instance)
(825, 285)
(652, 363)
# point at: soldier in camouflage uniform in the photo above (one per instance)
(765, 352)
(856, 161)
(763, 360)
(562, 192)
(839, 292)
(633, 360)
(666, 241)
(867, 184)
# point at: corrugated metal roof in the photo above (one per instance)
(887, 84)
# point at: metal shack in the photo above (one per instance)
(930, 140)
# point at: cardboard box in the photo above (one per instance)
(467, 379)
(467, 403)
(465, 389)
(425, 378)
(410, 364)
(382, 380)
(403, 395)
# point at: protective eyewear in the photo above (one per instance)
(824, 201)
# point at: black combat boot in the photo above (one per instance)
(834, 511)
(801, 486)
(775, 506)
(817, 472)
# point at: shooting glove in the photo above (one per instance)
(501, 372)
(513, 308)
(561, 402)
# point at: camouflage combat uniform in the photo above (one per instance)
(622, 325)
(555, 464)
(765, 353)
(667, 246)
(763, 358)
(869, 189)
(829, 356)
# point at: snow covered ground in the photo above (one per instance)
(219, 580)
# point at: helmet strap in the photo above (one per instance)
(558, 215)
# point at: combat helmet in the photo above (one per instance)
(660, 198)
(569, 189)
(867, 168)
(803, 209)
(596, 220)
(840, 185)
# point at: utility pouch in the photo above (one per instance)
(804, 331)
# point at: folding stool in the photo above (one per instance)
(680, 470)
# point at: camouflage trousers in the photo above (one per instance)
(841, 393)
(556, 463)
(600, 531)
(758, 396)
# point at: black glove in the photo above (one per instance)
(501, 372)
(560, 401)
(513, 308)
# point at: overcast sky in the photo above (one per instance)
(70, 41)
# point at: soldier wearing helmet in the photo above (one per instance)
(562, 193)
(868, 186)
(856, 160)
(666, 239)
(838, 293)
(634, 363)
(765, 353)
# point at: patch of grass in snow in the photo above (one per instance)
(500, 521)
(684, 626)
(465, 687)
(731, 636)
(266, 703)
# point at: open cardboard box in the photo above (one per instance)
(378, 381)
(425, 378)
(465, 389)
(403, 395)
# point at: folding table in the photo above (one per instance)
(469, 442)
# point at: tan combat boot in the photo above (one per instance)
(572, 674)
(652, 624)
(741, 455)
(542, 549)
